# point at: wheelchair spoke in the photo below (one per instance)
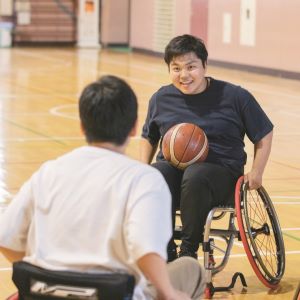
(268, 256)
(253, 215)
(261, 214)
(263, 239)
(260, 234)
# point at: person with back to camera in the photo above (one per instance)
(96, 209)
(226, 113)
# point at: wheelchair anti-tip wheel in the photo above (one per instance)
(260, 233)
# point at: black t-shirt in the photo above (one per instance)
(224, 111)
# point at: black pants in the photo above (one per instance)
(196, 190)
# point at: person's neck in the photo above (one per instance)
(110, 146)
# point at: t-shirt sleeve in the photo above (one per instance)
(256, 122)
(150, 129)
(15, 220)
(148, 225)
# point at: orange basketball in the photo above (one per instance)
(185, 144)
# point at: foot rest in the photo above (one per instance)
(211, 289)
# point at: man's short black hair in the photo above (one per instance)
(108, 110)
(184, 44)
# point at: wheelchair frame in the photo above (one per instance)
(247, 233)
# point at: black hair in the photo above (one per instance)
(108, 110)
(184, 44)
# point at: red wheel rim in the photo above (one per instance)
(244, 237)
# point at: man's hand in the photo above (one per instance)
(254, 179)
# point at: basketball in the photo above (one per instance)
(185, 144)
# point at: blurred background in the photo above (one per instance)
(260, 36)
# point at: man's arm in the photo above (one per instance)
(12, 255)
(262, 151)
(155, 270)
(147, 151)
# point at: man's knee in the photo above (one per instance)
(188, 275)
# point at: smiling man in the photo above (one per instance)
(226, 113)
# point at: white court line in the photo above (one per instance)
(285, 203)
(55, 111)
(240, 244)
(5, 269)
(140, 66)
(244, 255)
(200, 258)
(41, 139)
(53, 137)
(285, 197)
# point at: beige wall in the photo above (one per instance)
(114, 22)
(277, 44)
(182, 17)
(142, 24)
(277, 23)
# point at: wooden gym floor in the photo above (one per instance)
(39, 90)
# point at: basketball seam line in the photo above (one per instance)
(186, 146)
(198, 155)
(174, 133)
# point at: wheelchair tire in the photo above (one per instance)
(260, 233)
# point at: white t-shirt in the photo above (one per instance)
(90, 210)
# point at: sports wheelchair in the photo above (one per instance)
(35, 283)
(259, 231)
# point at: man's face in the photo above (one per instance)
(188, 74)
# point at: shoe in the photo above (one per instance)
(184, 251)
(172, 255)
(172, 252)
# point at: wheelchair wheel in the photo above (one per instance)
(260, 233)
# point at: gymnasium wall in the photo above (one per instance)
(144, 23)
(114, 22)
(259, 34)
(141, 24)
(276, 41)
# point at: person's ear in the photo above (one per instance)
(82, 129)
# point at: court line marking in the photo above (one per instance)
(141, 67)
(286, 197)
(244, 255)
(21, 139)
(274, 202)
(35, 132)
(41, 139)
(201, 257)
(137, 137)
(285, 203)
(55, 111)
(240, 244)
(291, 236)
